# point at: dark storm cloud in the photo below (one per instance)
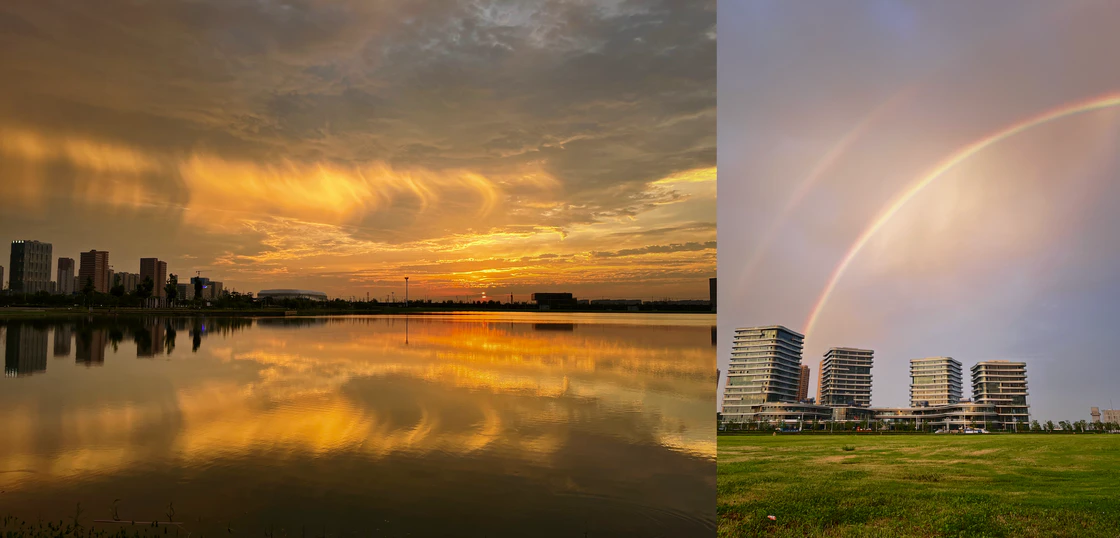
(258, 124)
(608, 97)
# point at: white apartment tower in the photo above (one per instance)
(935, 381)
(845, 377)
(1003, 383)
(765, 367)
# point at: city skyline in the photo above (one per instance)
(64, 265)
(340, 146)
(919, 179)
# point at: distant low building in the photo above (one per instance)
(681, 302)
(617, 302)
(1108, 416)
(957, 416)
(292, 294)
(552, 300)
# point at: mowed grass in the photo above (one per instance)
(994, 485)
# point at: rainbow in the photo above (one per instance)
(822, 166)
(1069, 109)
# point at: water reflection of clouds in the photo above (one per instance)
(354, 387)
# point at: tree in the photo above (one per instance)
(1049, 426)
(172, 287)
(88, 289)
(1035, 426)
(145, 289)
(117, 290)
(198, 289)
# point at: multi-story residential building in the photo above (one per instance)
(845, 377)
(94, 266)
(803, 384)
(157, 271)
(30, 267)
(130, 281)
(66, 276)
(935, 381)
(765, 367)
(1003, 383)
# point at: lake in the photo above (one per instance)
(549, 424)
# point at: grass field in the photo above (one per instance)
(995, 485)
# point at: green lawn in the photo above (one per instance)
(919, 485)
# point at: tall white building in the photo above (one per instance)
(765, 367)
(845, 377)
(935, 381)
(1003, 383)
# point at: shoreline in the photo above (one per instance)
(41, 313)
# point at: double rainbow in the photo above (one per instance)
(1070, 109)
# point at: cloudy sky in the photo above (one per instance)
(497, 146)
(962, 157)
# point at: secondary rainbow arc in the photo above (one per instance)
(1079, 107)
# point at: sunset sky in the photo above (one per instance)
(951, 168)
(499, 147)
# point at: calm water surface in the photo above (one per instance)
(473, 425)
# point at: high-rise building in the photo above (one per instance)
(161, 284)
(157, 271)
(94, 266)
(935, 381)
(712, 292)
(803, 384)
(765, 367)
(215, 289)
(845, 377)
(30, 267)
(1003, 383)
(66, 276)
(1, 277)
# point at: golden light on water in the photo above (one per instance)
(457, 388)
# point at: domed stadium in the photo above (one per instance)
(292, 294)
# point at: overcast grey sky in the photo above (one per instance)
(831, 112)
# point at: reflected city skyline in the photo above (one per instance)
(260, 392)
